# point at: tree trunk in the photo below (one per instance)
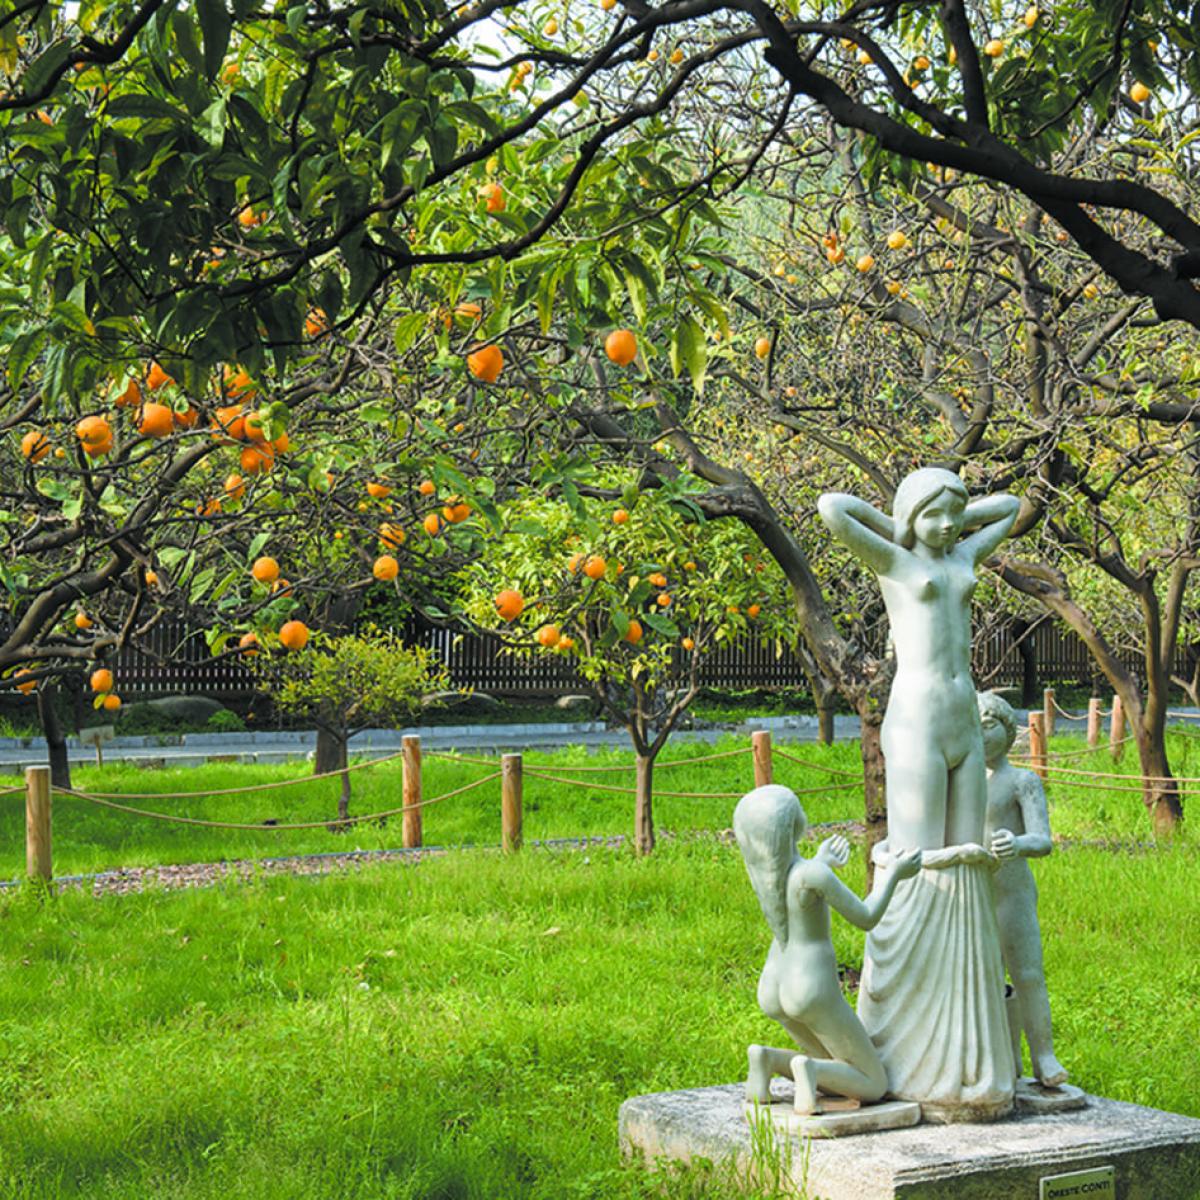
(1029, 666)
(330, 757)
(643, 819)
(331, 752)
(1160, 791)
(870, 715)
(52, 730)
(824, 703)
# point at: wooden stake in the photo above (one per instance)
(38, 864)
(760, 746)
(1116, 730)
(1048, 712)
(1037, 742)
(1094, 722)
(410, 748)
(510, 802)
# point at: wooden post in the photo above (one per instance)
(510, 802)
(38, 863)
(1094, 722)
(1116, 730)
(1037, 742)
(410, 748)
(1048, 713)
(760, 747)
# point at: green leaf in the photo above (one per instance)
(24, 352)
(216, 25)
(688, 349)
(408, 329)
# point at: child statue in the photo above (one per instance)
(1017, 828)
(799, 983)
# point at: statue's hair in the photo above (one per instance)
(916, 491)
(768, 822)
(993, 704)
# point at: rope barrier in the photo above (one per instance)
(608, 787)
(814, 766)
(1122, 775)
(1069, 716)
(253, 787)
(96, 798)
(1025, 759)
(662, 766)
(10, 791)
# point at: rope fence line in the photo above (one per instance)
(813, 766)
(95, 798)
(581, 769)
(1026, 760)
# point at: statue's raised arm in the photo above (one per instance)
(990, 520)
(861, 527)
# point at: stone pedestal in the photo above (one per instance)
(1154, 1155)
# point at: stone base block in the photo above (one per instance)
(1032, 1097)
(1154, 1155)
(837, 1118)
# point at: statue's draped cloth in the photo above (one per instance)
(932, 995)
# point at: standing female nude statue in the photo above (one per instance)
(932, 993)
(799, 985)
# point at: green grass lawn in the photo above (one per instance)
(88, 838)
(467, 1028)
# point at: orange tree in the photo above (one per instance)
(636, 589)
(346, 683)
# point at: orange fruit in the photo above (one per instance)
(486, 363)
(248, 644)
(35, 445)
(865, 263)
(753, 611)
(566, 643)
(151, 578)
(664, 600)
(633, 634)
(621, 347)
(235, 486)
(156, 377)
(392, 535)
(689, 565)
(509, 604)
(493, 194)
(281, 443)
(255, 460)
(620, 516)
(549, 636)
(920, 63)
(102, 680)
(835, 254)
(469, 311)
(255, 426)
(28, 686)
(432, 524)
(378, 491)
(1139, 93)
(762, 347)
(185, 419)
(658, 579)
(426, 488)
(96, 449)
(897, 239)
(688, 644)
(316, 322)
(456, 512)
(573, 563)
(281, 587)
(265, 569)
(238, 384)
(131, 397)
(231, 422)
(112, 702)
(155, 420)
(733, 610)
(294, 635)
(595, 567)
(386, 568)
(92, 431)
(83, 621)
(993, 48)
(247, 218)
